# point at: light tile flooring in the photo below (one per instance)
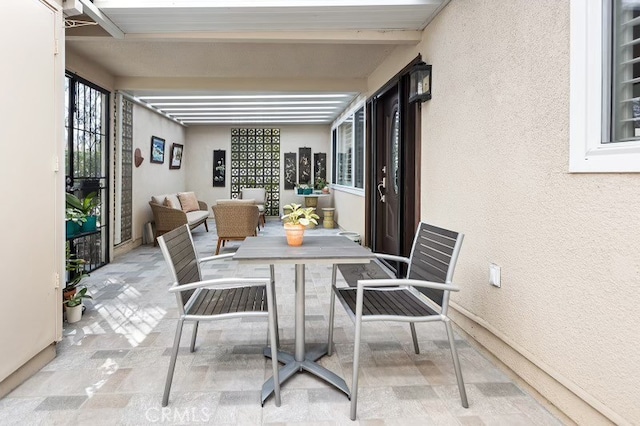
(111, 366)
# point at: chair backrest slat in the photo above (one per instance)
(433, 257)
(182, 256)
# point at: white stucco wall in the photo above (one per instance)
(203, 140)
(495, 158)
(153, 178)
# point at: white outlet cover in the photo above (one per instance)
(494, 275)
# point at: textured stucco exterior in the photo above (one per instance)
(495, 156)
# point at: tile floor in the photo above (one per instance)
(111, 366)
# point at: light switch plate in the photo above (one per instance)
(494, 275)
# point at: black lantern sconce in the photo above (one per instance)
(420, 82)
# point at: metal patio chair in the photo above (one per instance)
(423, 296)
(215, 299)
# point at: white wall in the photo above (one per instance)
(203, 140)
(32, 226)
(495, 158)
(153, 178)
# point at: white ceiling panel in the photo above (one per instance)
(308, 48)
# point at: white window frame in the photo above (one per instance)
(588, 154)
(359, 103)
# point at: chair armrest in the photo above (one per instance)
(392, 257)
(400, 282)
(222, 283)
(203, 205)
(220, 256)
(167, 218)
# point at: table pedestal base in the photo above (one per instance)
(292, 366)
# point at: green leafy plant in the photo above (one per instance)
(300, 215)
(320, 183)
(87, 206)
(75, 269)
(76, 299)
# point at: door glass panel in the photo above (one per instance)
(395, 148)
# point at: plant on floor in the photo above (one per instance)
(75, 272)
(74, 305)
(76, 299)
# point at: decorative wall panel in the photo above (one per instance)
(255, 163)
(219, 167)
(290, 170)
(304, 171)
(319, 166)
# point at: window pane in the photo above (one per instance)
(626, 71)
(344, 152)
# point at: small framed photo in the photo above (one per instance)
(157, 150)
(176, 156)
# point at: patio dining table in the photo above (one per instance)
(315, 250)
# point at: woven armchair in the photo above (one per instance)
(235, 222)
(167, 218)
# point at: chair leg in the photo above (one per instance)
(206, 226)
(356, 363)
(192, 348)
(414, 336)
(218, 247)
(332, 309)
(172, 363)
(456, 365)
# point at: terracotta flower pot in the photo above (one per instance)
(295, 234)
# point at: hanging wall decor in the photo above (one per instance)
(304, 176)
(219, 167)
(157, 150)
(290, 170)
(255, 163)
(175, 160)
(320, 166)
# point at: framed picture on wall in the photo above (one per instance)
(219, 167)
(157, 150)
(176, 156)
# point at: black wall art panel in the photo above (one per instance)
(290, 170)
(319, 166)
(219, 167)
(304, 171)
(255, 163)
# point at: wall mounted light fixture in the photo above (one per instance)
(420, 82)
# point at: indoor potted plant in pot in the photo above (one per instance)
(85, 207)
(75, 273)
(296, 222)
(73, 306)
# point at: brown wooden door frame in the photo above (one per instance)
(410, 118)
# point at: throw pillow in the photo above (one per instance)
(188, 201)
(168, 203)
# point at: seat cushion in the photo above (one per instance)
(197, 216)
(188, 201)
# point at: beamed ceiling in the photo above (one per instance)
(244, 61)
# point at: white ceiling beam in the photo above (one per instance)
(257, 4)
(94, 13)
(326, 37)
(146, 85)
